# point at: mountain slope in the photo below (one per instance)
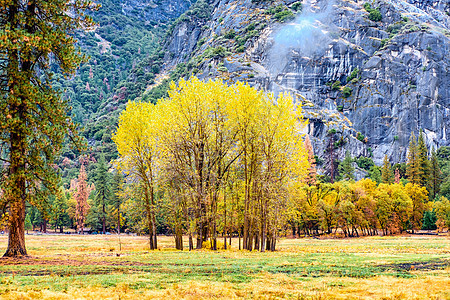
(373, 72)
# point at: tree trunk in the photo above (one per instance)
(239, 238)
(149, 220)
(118, 220)
(104, 219)
(178, 237)
(191, 242)
(16, 237)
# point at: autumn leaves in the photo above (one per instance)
(221, 158)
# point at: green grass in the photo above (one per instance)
(74, 264)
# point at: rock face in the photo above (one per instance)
(400, 65)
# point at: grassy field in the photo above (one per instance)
(93, 267)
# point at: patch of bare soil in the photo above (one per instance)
(421, 266)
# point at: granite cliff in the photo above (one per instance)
(371, 71)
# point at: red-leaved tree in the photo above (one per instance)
(81, 197)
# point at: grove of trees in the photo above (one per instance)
(221, 159)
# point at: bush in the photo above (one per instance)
(240, 49)
(336, 85)
(297, 6)
(347, 92)
(275, 9)
(231, 34)
(332, 131)
(340, 108)
(353, 75)
(284, 15)
(250, 27)
(219, 52)
(374, 13)
(360, 136)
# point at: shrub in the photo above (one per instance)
(340, 108)
(347, 92)
(374, 13)
(332, 131)
(360, 136)
(250, 27)
(284, 15)
(336, 85)
(240, 49)
(275, 9)
(353, 75)
(215, 52)
(201, 42)
(231, 34)
(297, 6)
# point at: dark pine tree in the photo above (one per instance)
(34, 121)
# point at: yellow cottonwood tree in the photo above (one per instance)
(137, 143)
(222, 157)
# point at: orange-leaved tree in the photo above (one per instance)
(81, 196)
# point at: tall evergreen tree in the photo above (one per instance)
(59, 214)
(422, 161)
(386, 172)
(435, 175)
(346, 170)
(103, 191)
(412, 166)
(116, 198)
(34, 120)
(375, 174)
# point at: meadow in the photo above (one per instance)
(94, 267)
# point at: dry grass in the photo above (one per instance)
(92, 267)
